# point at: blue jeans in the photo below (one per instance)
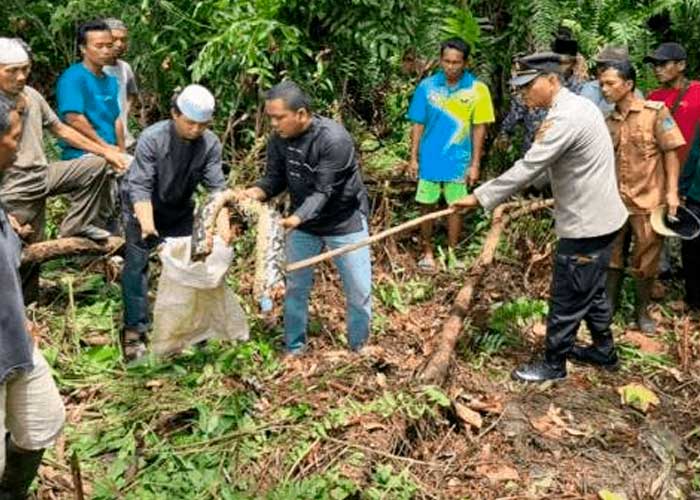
(135, 272)
(355, 272)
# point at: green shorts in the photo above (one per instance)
(429, 191)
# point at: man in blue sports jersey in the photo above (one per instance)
(449, 111)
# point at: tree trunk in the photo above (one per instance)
(65, 247)
(436, 368)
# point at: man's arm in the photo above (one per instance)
(214, 181)
(275, 179)
(544, 152)
(82, 125)
(141, 182)
(336, 156)
(120, 130)
(669, 138)
(416, 134)
(478, 137)
(672, 168)
(79, 141)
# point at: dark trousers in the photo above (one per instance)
(578, 293)
(135, 272)
(690, 253)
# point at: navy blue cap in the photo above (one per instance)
(530, 67)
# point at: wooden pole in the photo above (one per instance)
(295, 266)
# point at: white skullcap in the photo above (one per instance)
(196, 103)
(12, 52)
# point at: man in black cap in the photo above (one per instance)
(573, 147)
(680, 95)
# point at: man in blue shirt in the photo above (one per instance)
(88, 98)
(449, 111)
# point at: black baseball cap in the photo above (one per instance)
(667, 52)
(530, 67)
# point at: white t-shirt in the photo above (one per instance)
(127, 86)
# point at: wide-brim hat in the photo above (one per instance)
(686, 225)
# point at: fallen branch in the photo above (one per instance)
(66, 247)
(436, 367)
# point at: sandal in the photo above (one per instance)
(132, 344)
(427, 265)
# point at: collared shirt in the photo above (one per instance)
(573, 146)
(82, 92)
(448, 114)
(166, 171)
(15, 344)
(127, 87)
(687, 116)
(641, 137)
(591, 90)
(319, 168)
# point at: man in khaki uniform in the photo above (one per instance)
(645, 137)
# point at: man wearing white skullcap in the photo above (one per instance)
(172, 158)
(30, 180)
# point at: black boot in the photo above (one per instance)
(539, 371)
(600, 353)
(644, 321)
(20, 468)
(613, 285)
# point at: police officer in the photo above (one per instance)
(574, 148)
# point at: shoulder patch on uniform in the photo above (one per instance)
(653, 104)
(668, 123)
(544, 126)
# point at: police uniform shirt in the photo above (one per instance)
(573, 146)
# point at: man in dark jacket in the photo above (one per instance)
(314, 159)
(172, 158)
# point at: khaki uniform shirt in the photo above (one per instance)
(641, 137)
(573, 147)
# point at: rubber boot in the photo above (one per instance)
(600, 353)
(644, 321)
(21, 467)
(613, 285)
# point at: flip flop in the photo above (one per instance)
(426, 265)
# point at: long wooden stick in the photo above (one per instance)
(295, 266)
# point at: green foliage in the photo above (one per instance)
(388, 484)
(506, 323)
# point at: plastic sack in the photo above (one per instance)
(193, 302)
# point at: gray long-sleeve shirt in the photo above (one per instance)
(167, 169)
(574, 147)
